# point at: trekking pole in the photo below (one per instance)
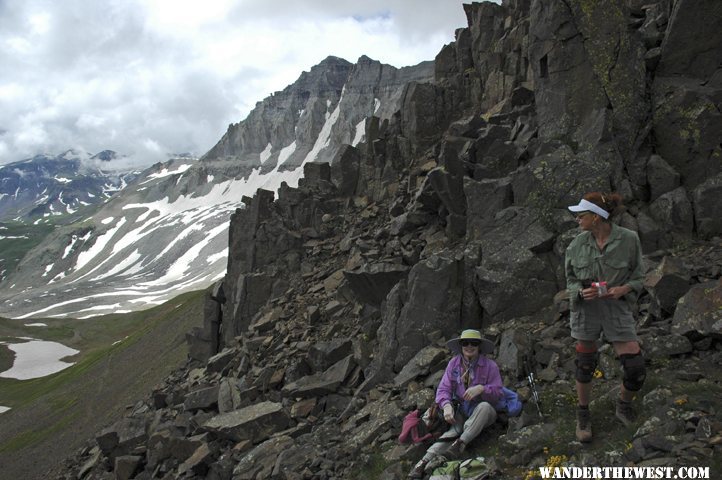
(532, 386)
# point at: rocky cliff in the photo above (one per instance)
(450, 212)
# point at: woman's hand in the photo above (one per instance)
(449, 414)
(617, 292)
(590, 293)
(474, 391)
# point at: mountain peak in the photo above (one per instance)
(105, 156)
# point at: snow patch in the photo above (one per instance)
(360, 133)
(98, 246)
(286, 153)
(37, 358)
(47, 270)
(166, 173)
(265, 154)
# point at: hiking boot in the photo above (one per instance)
(584, 425)
(455, 450)
(624, 412)
(418, 471)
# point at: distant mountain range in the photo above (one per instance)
(51, 186)
(166, 232)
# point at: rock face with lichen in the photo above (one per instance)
(451, 213)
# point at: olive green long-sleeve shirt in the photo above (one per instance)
(619, 263)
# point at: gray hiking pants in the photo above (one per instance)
(482, 416)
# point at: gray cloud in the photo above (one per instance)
(148, 78)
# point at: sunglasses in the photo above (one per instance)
(469, 343)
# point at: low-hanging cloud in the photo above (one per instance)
(151, 78)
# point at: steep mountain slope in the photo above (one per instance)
(41, 193)
(331, 320)
(168, 232)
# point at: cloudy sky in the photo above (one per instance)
(151, 77)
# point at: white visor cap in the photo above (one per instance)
(587, 206)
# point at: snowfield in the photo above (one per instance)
(37, 358)
(168, 236)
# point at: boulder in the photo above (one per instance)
(422, 364)
(513, 280)
(220, 360)
(433, 303)
(661, 176)
(371, 282)
(558, 178)
(699, 312)
(651, 234)
(691, 46)
(259, 462)
(674, 210)
(370, 422)
(521, 446)
(294, 459)
(122, 437)
(322, 355)
(345, 170)
(665, 346)
(450, 189)
(199, 461)
(253, 291)
(422, 115)
(514, 346)
(321, 383)
(687, 122)
(707, 198)
(126, 466)
(202, 398)
(666, 284)
(255, 423)
(229, 395)
(484, 200)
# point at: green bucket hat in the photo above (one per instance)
(486, 346)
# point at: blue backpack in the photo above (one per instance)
(509, 403)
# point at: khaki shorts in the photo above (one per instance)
(613, 317)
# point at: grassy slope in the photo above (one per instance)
(14, 249)
(53, 416)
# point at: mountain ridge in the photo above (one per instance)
(185, 204)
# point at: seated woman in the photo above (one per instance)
(473, 383)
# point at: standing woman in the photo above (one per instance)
(472, 383)
(604, 252)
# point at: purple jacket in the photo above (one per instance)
(486, 373)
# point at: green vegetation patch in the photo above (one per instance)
(17, 239)
(96, 338)
(122, 356)
(31, 437)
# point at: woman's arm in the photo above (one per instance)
(574, 284)
(636, 276)
(492, 388)
(444, 392)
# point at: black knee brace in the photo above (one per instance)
(634, 371)
(586, 365)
